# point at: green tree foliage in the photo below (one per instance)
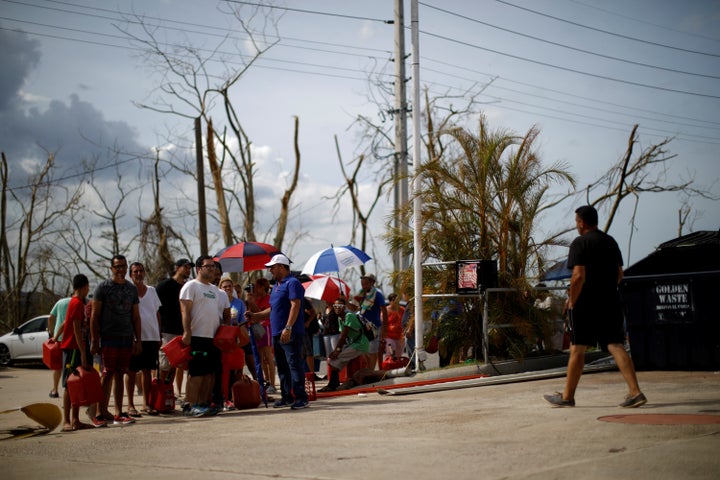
(483, 194)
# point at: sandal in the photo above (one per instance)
(134, 413)
(83, 426)
(67, 428)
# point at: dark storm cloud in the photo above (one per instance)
(73, 130)
(19, 55)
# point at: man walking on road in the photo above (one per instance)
(594, 306)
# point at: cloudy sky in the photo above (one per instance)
(584, 74)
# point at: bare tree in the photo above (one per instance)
(98, 231)
(192, 86)
(285, 201)
(32, 218)
(157, 237)
(631, 176)
(351, 188)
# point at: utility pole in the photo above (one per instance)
(400, 170)
(417, 202)
(202, 234)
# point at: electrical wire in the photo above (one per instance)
(335, 67)
(614, 34)
(569, 47)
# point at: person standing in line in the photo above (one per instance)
(237, 315)
(394, 337)
(288, 329)
(147, 361)
(596, 315)
(200, 302)
(372, 307)
(116, 334)
(168, 291)
(75, 350)
(56, 322)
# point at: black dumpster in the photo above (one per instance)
(671, 298)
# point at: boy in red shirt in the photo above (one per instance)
(74, 346)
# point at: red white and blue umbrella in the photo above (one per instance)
(245, 256)
(335, 259)
(326, 288)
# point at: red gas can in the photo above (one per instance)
(84, 387)
(246, 393)
(177, 352)
(234, 360)
(390, 363)
(52, 355)
(226, 338)
(162, 396)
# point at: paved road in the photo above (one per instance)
(488, 432)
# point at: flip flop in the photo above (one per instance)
(134, 413)
(153, 412)
(67, 429)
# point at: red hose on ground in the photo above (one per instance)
(355, 391)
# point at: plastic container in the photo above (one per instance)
(234, 360)
(177, 352)
(52, 355)
(310, 386)
(246, 393)
(226, 338)
(84, 387)
(162, 396)
(390, 363)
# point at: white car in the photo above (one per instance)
(25, 342)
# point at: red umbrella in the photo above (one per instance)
(245, 256)
(323, 287)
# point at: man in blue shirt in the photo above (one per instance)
(373, 308)
(287, 326)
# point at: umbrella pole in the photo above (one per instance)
(258, 366)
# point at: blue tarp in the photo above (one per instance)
(559, 271)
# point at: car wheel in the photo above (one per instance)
(5, 358)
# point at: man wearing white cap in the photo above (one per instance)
(288, 330)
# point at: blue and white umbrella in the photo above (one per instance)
(335, 259)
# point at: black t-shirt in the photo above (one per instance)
(170, 316)
(599, 253)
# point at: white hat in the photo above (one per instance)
(279, 258)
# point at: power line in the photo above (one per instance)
(446, 38)
(619, 35)
(311, 12)
(212, 29)
(568, 94)
(568, 69)
(503, 101)
(335, 67)
(638, 20)
(494, 85)
(569, 47)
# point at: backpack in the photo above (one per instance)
(368, 328)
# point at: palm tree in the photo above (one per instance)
(482, 198)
